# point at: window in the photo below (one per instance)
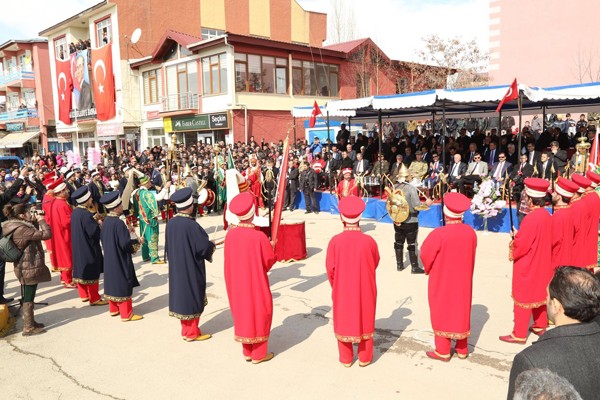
(152, 86)
(214, 74)
(61, 50)
(402, 85)
(208, 33)
(156, 137)
(103, 32)
(310, 84)
(182, 86)
(25, 61)
(298, 88)
(262, 74)
(28, 98)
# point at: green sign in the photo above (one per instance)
(197, 122)
(11, 127)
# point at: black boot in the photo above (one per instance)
(399, 258)
(3, 300)
(414, 263)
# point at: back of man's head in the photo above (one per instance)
(543, 384)
(578, 291)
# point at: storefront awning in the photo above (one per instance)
(16, 140)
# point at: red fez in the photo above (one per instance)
(565, 187)
(581, 181)
(351, 208)
(242, 205)
(594, 178)
(50, 175)
(347, 171)
(48, 182)
(455, 204)
(536, 187)
(58, 185)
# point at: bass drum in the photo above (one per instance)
(210, 199)
(202, 197)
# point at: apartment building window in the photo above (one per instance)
(314, 79)
(25, 61)
(182, 85)
(152, 86)
(208, 33)
(28, 98)
(61, 50)
(262, 74)
(214, 73)
(103, 31)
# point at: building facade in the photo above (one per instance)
(27, 112)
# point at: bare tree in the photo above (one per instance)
(342, 23)
(461, 64)
(366, 65)
(587, 65)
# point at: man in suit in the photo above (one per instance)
(470, 155)
(490, 156)
(361, 166)
(533, 156)
(343, 136)
(351, 153)
(456, 170)
(427, 156)
(475, 172)
(346, 161)
(396, 167)
(85, 91)
(433, 174)
(291, 186)
(572, 349)
(501, 170)
(518, 176)
(544, 167)
(559, 158)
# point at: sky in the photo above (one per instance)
(396, 26)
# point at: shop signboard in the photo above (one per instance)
(201, 122)
(13, 127)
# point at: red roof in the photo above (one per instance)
(346, 47)
(182, 39)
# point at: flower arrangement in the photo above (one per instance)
(487, 201)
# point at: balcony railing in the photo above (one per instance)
(15, 75)
(180, 101)
(23, 113)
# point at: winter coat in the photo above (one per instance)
(31, 268)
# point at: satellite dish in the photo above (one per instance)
(135, 37)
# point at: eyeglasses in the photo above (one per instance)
(501, 157)
(477, 158)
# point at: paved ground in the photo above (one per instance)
(86, 354)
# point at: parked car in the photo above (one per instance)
(8, 162)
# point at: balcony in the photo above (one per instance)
(20, 114)
(15, 76)
(179, 104)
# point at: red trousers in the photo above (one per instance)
(442, 346)
(125, 308)
(66, 276)
(257, 351)
(523, 316)
(190, 329)
(88, 292)
(365, 351)
(163, 214)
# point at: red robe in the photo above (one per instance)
(592, 205)
(532, 254)
(352, 258)
(47, 201)
(579, 214)
(248, 257)
(448, 255)
(563, 235)
(252, 174)
(351, 189)
(60, 218)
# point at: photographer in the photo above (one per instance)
(4, 199)
(28, 230)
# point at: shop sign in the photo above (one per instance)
(64, 137)
(197, 122)
(152, 114)
(219, 121)
(12, 127)
(109, 130)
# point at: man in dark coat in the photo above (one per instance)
(308, 183)
(572, 349)
(97, 189)
(559, 158)
(87, 254)
(291, 187)
(119, 272)
(187, 247)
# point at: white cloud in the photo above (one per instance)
(24, 19)
(397, 26)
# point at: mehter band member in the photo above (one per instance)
(532, 266)
(148, 215)
(352, 258)
(119, 273)
(60, 223)
(187, 247)
(448, 255)
(563, 223)
(88, 262)
(248, 257)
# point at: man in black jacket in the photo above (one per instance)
(572, 349)
(291, 186)
(308, 184)
(4, 199)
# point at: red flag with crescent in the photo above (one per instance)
(281, 183)
(511, 94)
(64, 88)
(313, 115)
(103, 82)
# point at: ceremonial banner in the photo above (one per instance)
(64, 88)
(280, 199)
(104, 82)
(511, 94)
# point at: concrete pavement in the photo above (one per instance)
(86, 354)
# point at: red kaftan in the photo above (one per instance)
(344, 190)
(60, 222)
(248, 257)
(352, 258)
(253, 176)
(47, 201)
(532, 254)
(563, 235)
(448, 255)
(592, 205)
(579, 212)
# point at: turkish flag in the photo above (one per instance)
(64, 86)
(103, 83)
(313, 115)
(511, 94)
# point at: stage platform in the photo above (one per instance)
(431, 218)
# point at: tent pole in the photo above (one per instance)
(295, 131)
(443, 155)
(379, 152)
(543, 119)
(328, 136)
(520, 121)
